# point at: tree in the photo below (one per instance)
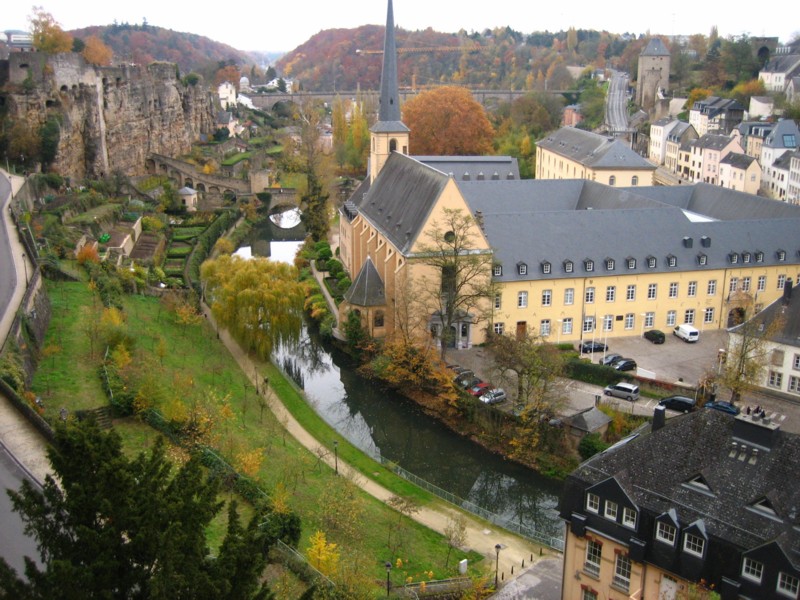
(259, 301)
(108, 526)
(749, 348)
(455, 534)
(447, 120)
(738, 60)
(48, 37)
(323, 555)
(96, 52)
(229, 73)
(315, 216)
(459, 282)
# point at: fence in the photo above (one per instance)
(299, 564)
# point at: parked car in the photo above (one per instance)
(461, 372)
(625, 364)
(478, 388)
(591, 347)
(723, 406)
(626, 391)
(679, 403)
(493, 396)
(655, 335)
(466, 382)
(609, 359)
(687, 333)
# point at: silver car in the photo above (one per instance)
(626, 391)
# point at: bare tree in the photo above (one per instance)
(455, 534)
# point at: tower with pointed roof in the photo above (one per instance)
(653, 73)
(389, 134)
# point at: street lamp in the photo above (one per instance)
(497, 548)
(388, 566)
(25, 266)
(336, 455)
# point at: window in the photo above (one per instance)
(522, 300)
(775, 379)
(762, 283)
(611, 293)
(546, 268)
(635, 180)
(568, 266)
(547, 297)
(522, 269)
(566, 326)
(746, 257)
(733, 284)
(794, 384)
(672, 316)
(745, 284)
(733, 258)
(692, 291)
(544, 327)
(609, 264)
(788, 585)
(688, 316)
(588, 594)
(752, 569)
(612, 180)
(498, 300)
(649, 319)
(608, 322)
(694, 544)
(377, 320)
(588, 265)
(759, 257)
(569, 296)
(781, 254)
(666, 533)
(498, 270)
(629, 517)
(588, 324)
(673, 289)
(796, 361)
(651, 262)
(708, 315)
(622, 572)
(630, 293)
(651, 291)
(629, 320)
(594, 552)
(781, 281)
(712, 287)
(611, 510)
(702, 259)
(589, 295)
(672, 260)
(499, 328)
(631, 263)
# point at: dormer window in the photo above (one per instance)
(781, 254)
(765, 506)
(611, 510)
(629, 518)
(522, 269)
(588, 265)
(569, 266)
(609, 264)
(651, 262)
(672, 260)
(666, 533)
(593, 503)
(699, 481)
(546, 268)
(497, 271)
(733, 258)
(631, 262)
(759, 257)
(694, 544)
(752, 569)
(746, 256)
(702, 260)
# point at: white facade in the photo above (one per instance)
(227, 95)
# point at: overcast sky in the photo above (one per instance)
(282, 25)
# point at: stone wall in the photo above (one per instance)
(111, 118)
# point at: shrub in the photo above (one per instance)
(335, 267)
(590, 445)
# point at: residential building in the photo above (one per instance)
(571, 153)
(793, 90)
(572, 115)
(227, 95)
(793, 185)
(716, 115)
(706, 153)
(784, 137)
(777, 73)
(751, 136)
(779, 174)
(705, 499)
(761, 106)
(682, 133)
(740, 172)
(659, 131)
(652, 78)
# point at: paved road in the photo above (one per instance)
(617, 102)
(8, 275)
(14, 544)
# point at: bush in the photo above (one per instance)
(335, 267)
(590, 445)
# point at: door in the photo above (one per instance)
(522, 330)
(668, 589)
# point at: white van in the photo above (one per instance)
(687, 333)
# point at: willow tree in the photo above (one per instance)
(259, 301)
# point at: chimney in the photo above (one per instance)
(659, 418)
(687, 242)
(479, 218)
(787, 291)
(705, 241)
(755, 430)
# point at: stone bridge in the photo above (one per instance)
(186, 174)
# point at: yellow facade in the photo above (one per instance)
(551, 165)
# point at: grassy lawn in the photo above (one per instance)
(192, 366)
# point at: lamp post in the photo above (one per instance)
(497, 548)
(25, 266)
(336, 455)
(388, 566)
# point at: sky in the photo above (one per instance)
(284, 25)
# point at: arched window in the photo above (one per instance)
(612, 180)
(392, 145)
(635, 180)
(377, 320)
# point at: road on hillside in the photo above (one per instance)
(14, 544)
(8, 276)
(617, 102)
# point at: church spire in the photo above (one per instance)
(389, 100)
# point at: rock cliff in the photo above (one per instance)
(111, 118)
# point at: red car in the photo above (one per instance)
(479, 388)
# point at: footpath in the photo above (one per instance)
(481, 537)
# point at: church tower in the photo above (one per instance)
(389, 134)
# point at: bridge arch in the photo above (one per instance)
(201, 187)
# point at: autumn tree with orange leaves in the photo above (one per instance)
(95, 52)
(448, 121)
(48, 37)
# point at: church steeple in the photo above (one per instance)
(389, 134)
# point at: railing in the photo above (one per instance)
(290, 554)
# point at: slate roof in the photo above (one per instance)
(655, 47)
(782, 63)
(737, 160)
(590, 420)
(711, 141)
(472, 167)
(186, 191)
(656, 477)
(536, 221)
(389, 120)
(676, 133)
(788, 312)
(776, 137)
(368, 288)
(593, 150)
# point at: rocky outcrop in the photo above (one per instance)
(111, 118)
